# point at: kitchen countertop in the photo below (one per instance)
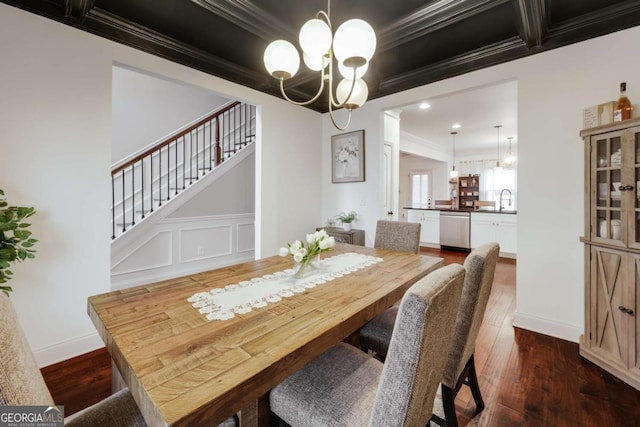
(505, 211)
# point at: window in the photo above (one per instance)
(496, 182)
(420, 192)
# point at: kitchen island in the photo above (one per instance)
(484, 225)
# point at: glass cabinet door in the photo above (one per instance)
(607, 156)
(634, 220)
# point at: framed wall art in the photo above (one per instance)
(347, 157)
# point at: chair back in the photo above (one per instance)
(418, 349)
(480, 267)
(398, 236)
(21, 382)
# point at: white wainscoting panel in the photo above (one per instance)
(246, 237)
(200, 243)
(181, 246)
(152, 253)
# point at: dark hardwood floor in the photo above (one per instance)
(527, 379)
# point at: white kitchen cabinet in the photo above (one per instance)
(429, 225)
(500, 228)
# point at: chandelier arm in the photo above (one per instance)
(353, 84)
(333, 120)
(315, 98)
(322, 14)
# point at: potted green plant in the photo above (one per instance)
(15, 239)
(346, 219)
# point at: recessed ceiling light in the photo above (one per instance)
(456, 126)
(424, 106)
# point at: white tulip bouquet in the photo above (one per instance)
(316, 243)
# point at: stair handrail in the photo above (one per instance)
(168, 140)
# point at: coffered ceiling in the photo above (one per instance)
(418, 41)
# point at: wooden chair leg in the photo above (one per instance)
(474, 386)
(448, 403)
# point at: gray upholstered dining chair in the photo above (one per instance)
(21, 382)
(480, 267)
(398, 236)
(346, 387)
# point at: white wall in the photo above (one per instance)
(232, 193)
(363, 197)
(553, 88)
(146, 108)
(56, 110)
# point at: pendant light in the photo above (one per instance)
(498, 167)
(510, 160)
(453, 174)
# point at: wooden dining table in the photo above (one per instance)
(184, 370)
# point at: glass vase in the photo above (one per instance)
(307, 266)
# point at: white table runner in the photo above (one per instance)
(225, 303)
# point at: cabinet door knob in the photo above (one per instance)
(626, 310)
(622, 188)
(628, 187)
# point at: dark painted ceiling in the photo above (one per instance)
(418, 42)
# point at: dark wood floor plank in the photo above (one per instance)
(80, 382)
(527, 379)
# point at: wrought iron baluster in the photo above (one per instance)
(133, 194)
(190, 157)
(236, 125)
(197, 155)
(210, 138)
(168, 173)
(160, 177)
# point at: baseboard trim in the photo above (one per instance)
(64, 350)
(547, 327)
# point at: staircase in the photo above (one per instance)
(149, 180)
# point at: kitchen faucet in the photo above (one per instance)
(501, 193)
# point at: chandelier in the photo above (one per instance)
(453, 173)
(353, 45)
(498, 168)
(511, 159)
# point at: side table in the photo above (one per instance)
(353, 237)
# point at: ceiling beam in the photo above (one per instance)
(532, 23)
(608, 18)
(250, 17)
(479, 58)
(431, 18)
(77, 9)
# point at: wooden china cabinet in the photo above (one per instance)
(612, 249)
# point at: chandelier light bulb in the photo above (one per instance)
(347, 72)
(315, 63)
(354, 41)
(315, 38)
(281, 59)
(358, 96)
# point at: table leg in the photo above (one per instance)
(117, 382)
(257, 414)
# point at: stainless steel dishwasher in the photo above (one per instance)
(455, 230)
